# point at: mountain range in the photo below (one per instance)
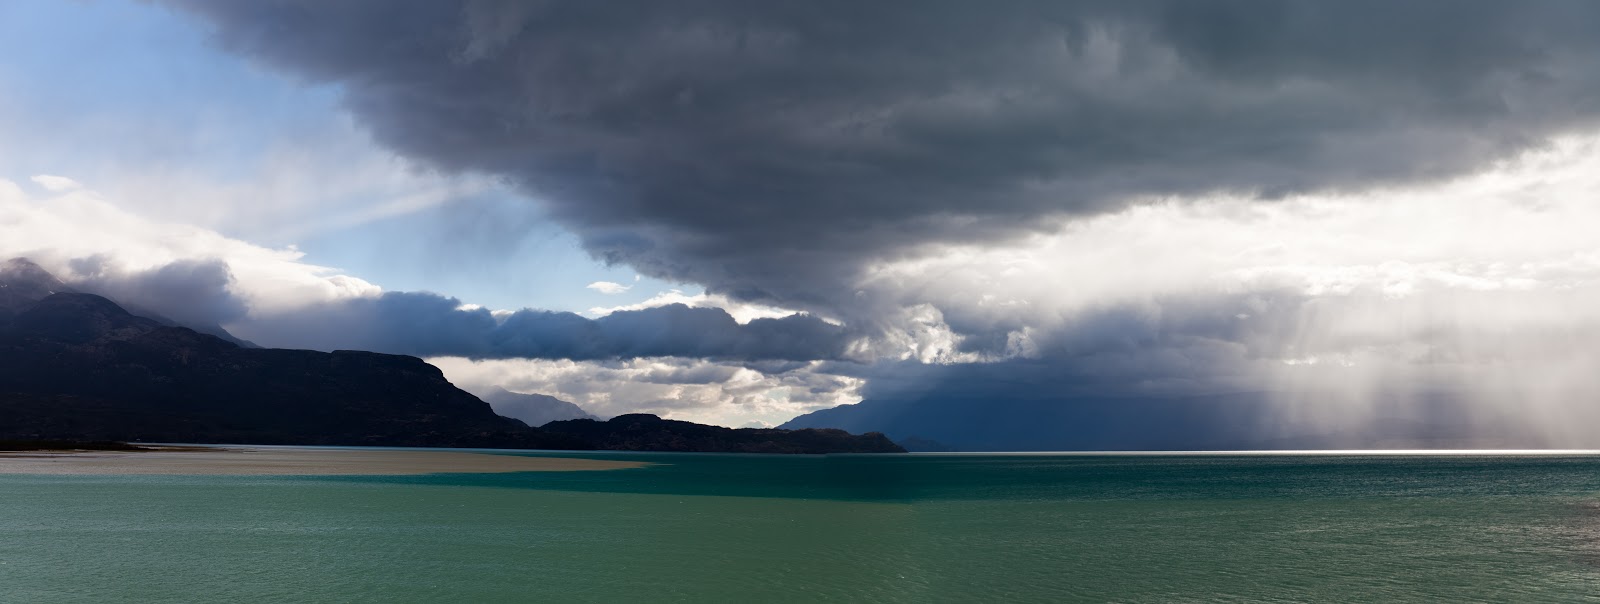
(77, 366)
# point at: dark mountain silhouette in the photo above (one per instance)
(533, 409)
(76, 366)
(210, 329)
(645, 432)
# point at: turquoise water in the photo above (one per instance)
(901, 528)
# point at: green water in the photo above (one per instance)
(965, 528)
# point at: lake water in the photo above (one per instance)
(893, 528)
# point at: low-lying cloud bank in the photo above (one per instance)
(424, 324)
(178, 270)
(188, 275)
(761, 394)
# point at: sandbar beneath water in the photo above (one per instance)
(289, 461)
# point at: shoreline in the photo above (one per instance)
(285, 461)
(69, 446)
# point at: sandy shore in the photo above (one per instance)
(277, 461)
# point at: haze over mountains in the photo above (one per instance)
(532, 408)
(1231, 422)
(76, 366)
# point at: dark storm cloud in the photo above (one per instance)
(424, 324)
(694, 374)
(769, 149)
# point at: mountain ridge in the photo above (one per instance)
(532, 409)
(646, 432)
(78, 366)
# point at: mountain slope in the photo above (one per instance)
(533, 409)
(78, 366)
(22, 284)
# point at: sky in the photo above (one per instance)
(134, 101)
(1352, 215)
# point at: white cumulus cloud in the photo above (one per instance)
(63, 230)
(686, 389)
(609, 288)
(55, 184)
